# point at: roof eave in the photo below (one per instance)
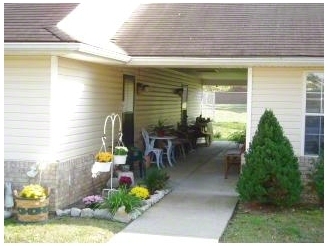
(77, 51)
(226, 62)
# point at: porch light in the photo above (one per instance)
(142, 88)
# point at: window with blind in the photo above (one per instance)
(314, 114)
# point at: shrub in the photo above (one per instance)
(155, 179)
(318, 176)
(119, 198)
(217, 135)
(270, 173)
(238, 137)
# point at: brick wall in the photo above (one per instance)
(69, 181)
(308, 195)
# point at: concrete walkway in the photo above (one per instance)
(198, 208)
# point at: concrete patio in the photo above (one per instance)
(199, 206)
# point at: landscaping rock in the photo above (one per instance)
(65, 212)
(136, 213)
(102, 214)
(122, 216)
(87, 212)
(75, 212)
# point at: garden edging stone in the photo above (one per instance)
(120, 215)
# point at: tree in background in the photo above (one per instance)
(270, 174)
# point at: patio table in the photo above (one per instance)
(169, 144)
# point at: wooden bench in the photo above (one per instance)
(233, 158)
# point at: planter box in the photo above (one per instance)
(101, 167)
(32, 210)
(119, 159)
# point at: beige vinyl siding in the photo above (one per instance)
(26, 107)
(90, 92)
(281, 90)
(160, 102)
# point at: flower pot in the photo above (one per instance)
(160, 133)
(119, 159)
(32, 210)
(101, 167)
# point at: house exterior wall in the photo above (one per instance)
(84, 94)
(160, 102)
(26, 107)
(54, 111)
(280, 89)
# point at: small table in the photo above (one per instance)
(169, 144)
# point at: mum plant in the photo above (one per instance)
(120, 150)
(125, 181)
(104, 156)
(139, 191)
(92, 201)
(33, 191)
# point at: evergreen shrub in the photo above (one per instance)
(270, 174)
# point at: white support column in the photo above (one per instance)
(249, 105)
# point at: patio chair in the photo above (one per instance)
(153, 152)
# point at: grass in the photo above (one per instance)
(248, 225)
(294, 225)
(61, 230)
(226, 129)
(227, 119)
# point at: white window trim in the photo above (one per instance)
(305, 73)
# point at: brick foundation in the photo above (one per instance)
(69, 181)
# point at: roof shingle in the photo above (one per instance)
(224, 30)
(35, 22)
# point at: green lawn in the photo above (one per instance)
(61, 230)
(227, 119)
(256, 225)
(294, 225)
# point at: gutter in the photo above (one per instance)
(80, 51)
(113, 55)
(195, 62)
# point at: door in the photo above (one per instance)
(128, 110)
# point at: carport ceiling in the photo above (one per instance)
(218, 76)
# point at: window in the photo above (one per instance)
(314, 114)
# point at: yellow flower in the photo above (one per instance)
(140, 192)
(33, 191)
(104, 156)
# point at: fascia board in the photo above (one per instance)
(191, 62)
(70, 50)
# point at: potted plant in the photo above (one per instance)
(103, 161)
(160, 128)
(32, 203)
(120, 154)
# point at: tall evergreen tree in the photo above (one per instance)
(270, 174)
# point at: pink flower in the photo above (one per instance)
(92, 201)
